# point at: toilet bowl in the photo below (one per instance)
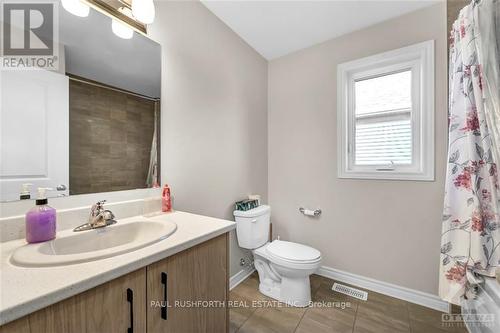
(283, 267)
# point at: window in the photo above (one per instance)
(386, 115)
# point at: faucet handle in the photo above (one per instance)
(97, 207)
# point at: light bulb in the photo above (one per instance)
(76, 7)
(121, 30)
(143, 10)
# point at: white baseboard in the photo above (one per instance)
(239, 277)
(407, 294)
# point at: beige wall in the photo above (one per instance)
(386, 230)
(214, 113)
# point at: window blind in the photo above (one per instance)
(383, 141)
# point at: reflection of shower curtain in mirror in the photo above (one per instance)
(152, 180)
(470, 241)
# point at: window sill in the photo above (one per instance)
(387, 175)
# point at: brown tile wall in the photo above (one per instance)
(110, 135)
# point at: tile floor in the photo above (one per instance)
(256, 313)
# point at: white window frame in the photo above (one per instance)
(418, 58)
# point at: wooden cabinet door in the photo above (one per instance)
(117, 306)
(106, 308)
(197, 274)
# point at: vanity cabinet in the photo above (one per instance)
(132, 303)
(115, 306)
(190, 284)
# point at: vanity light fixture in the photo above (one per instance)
(143, 11)
(132, 15)
(76, 7)
(121, 29)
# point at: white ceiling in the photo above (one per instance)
(276, 28)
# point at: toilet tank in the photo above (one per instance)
(252, 226)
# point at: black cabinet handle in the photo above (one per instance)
(164, 306)
(130, 299)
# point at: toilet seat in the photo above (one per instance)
(293, 252)
(289, 254)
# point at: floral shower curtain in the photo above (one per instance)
(470, 241)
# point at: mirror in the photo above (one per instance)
(92, 125)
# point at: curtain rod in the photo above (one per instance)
(102, 85)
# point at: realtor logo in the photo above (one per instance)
(29, 34)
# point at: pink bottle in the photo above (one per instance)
(166, 200)
(41, 220)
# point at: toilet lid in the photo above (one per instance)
(293, 251)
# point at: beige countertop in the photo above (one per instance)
(25, 290)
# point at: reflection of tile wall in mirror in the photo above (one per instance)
(110, 139)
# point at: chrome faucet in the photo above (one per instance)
(98, 218)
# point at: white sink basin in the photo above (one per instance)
(76, 247)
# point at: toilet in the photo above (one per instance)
(284, 267)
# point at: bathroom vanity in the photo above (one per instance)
(187, 272)
(145, 272)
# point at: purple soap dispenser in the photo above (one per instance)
(41, 220)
